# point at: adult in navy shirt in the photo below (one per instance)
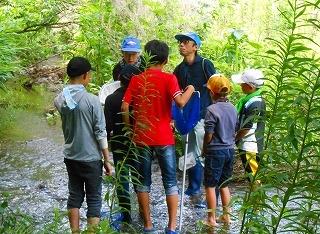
(194, 70)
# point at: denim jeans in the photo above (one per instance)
(167, 161)
(218, 167)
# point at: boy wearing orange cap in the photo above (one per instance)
(220, 125)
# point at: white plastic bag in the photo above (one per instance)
(108, 89)
(190, 162)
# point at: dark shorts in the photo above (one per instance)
(85, 179)
(218, 167)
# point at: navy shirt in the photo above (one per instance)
(197, 75)
(114, 122)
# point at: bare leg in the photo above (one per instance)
(225, 199)
(144, 204)
(212, 203)
(256, 185)
(74, 220)
(172, 203)
(92, 222)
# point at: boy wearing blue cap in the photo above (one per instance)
(130, 50)
(194, 70)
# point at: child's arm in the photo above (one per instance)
(126, 115)
(241, 134)
(206, 140)
(108, 117)
(182, 99)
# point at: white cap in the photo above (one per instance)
(251, 76)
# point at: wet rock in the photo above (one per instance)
(44, 75)
(41, 186)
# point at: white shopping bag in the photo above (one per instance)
(190, 161)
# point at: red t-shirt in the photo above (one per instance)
(151, 94)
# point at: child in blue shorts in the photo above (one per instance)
(221, 122)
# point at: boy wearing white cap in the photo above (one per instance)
(251, 110)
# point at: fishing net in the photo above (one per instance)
(188, 116)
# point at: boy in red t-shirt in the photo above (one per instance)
(151, 94)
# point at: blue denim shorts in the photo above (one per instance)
(167, 161)
(218, 167)
(85, 179)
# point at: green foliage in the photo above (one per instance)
(8, 57)
(93, 39)
(15, 98)
(14, 222)
(27, 34)
(233, 36)
(290, 160)
(52, 117)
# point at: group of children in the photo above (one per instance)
(148, 95)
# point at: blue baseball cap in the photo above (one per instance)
(131, 44)
(191, 35)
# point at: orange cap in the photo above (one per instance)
(219, 84)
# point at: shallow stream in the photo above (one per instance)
(34, 179)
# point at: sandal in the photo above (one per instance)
(168, 231)
(152, 230)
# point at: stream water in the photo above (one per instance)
(34, 179)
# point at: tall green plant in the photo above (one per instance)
(290, 169)
(236, 36)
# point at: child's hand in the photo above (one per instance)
(107, 167)
(172, 125)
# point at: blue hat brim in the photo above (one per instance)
(182, 35)
(131, 50)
